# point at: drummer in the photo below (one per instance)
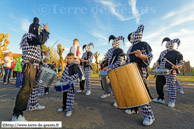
(87, 66)
(171, 80)
(114, 61)
(143, 60)
(71, 75)
(31, 59)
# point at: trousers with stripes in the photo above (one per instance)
(42, 90)
(68, 99)
(178, 85)
(146, 109)
(87, 73)
(171, 85)
(33, 100)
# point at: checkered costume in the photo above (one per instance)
(70, 94)
(31, 58)
(33, 100)
(87, 70)
(109, 55)
(171, 79)
(146, 109)
(30, 52)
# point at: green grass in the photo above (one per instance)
(95, 75)
(186, 78)
(182, 78)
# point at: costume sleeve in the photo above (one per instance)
(149, 58)
(80, 52)
(128, 57)
(38, 39)
(116, 64)
(90, 59)
(180, 61)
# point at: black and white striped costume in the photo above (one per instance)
(115, 63)
(33, 100)
(171, 79)
(87, 69)
(109, 54)
(137, 44)
(31, 58)
(30, 52)
(72, 79)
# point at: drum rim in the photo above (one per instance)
(45, 69)
(121, 66)
(135, 106)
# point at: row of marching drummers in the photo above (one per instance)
(124, 74)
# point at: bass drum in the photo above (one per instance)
(128, 86)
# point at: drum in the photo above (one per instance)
(104, 73)
(128, 86)
(46, 77)
(82, 72)
(160, 72)
(62, 86)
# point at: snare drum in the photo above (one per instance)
(128, 86)
(160, 72)
(62, 86)
(46, 77)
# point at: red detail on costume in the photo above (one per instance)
(77, 53)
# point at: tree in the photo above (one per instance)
(54, 57)
(96, 55)
(183, 68)
(94, 68)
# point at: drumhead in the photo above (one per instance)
(49, 70)
(122, 66)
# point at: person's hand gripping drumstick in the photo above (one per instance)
(139, 54)
(156, 65)
(106, 69)
(46, 27)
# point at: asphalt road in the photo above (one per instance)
(92, 112)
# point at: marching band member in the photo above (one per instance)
(71, 75)
(105, 84)
(86, 63)
(175, 58)
(143, 60)
(31, 55)
(114, 59)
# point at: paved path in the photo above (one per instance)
(93, 112)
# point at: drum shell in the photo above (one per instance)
(46, 77)
(62, 87)
(128, 86)
(160, 72)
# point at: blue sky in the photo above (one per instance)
(95, 20)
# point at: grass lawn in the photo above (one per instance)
(182, 78)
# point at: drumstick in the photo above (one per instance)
(168, 61)
(54, 44)
(134, 52)
(37, 16)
